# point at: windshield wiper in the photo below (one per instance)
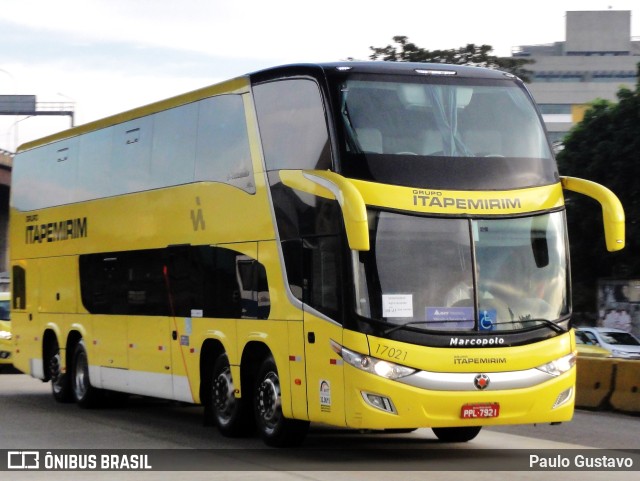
(352, 137)
(412, 323)
(555, 326)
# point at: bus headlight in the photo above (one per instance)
(5, 335)
(559, 366)
(379, 367)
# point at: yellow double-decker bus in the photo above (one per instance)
(369, 245)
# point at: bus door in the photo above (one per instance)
(149, 325)
(149, 345)
(103, 291)
(323, 290)
(325, 376)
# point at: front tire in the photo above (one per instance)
(84, 394)
(456, 435)
(274, 428)
(231, 415)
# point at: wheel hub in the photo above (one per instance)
(54, 367)
(269, 399)
(80, 377)
(223, 393)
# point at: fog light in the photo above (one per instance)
(379, 402)
(563, 397)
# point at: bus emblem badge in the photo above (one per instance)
(481, 381)
(197, 217)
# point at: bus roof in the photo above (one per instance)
(395, 68)
(241, 85)
(236, 85)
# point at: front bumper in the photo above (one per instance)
(549, 401)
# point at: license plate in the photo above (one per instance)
(479, 411)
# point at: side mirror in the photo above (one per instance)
(330, 185)
(612, 211)
(539, 244)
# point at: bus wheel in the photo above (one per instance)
(456, 435)
(274, 428)
(231, 415)
(83, 393)
(60, 382)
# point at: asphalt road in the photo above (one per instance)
(31, 420)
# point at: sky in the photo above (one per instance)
(107, 56)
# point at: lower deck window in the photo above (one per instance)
(176, 281)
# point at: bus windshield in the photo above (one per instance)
(488, 130)
(463, 274)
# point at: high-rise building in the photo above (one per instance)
(598, 57)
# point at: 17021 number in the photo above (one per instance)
(391, 352)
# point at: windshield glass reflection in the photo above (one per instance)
(448, 120)
(417, 130)
(461, 274)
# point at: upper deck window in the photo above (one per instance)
(448, 133)
(205, 141)
(292, 124)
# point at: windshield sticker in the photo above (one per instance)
(453, 317)
(397, 305)
(488, 319)
(325, 396)
(449, 313)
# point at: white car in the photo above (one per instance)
(621, 343)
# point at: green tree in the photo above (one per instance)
(402, 50)
(604, 148)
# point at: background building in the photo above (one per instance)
(598, 56)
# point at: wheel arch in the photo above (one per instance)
(209, 352)
(253, 354)
(50, 338)
(73, 338)
(53, 335)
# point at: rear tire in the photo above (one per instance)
(231, 415)
(274, 428)
(84, 394)
(456, 435)
(60, 382)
